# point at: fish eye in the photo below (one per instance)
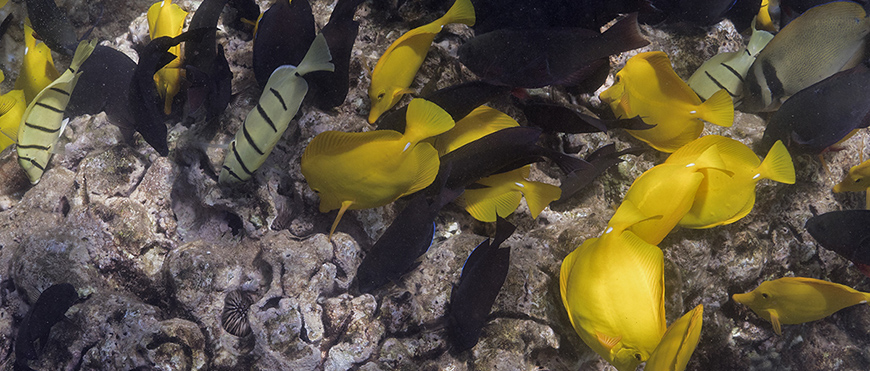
(637, 356)
(857, 180)
(381, 95)
(617, 78)
(764, 295)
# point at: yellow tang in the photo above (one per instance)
(478, 123)
(397, 67)
(12, 107)
(37, 69)
(371, 169)
(723, 199)
(600, 277)
(501, 195)
(763, 20)
(678, 343)
(857, 180)
(793, 300)
(167, 19)
(648, 87)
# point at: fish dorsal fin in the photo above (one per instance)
(627, 215)
(317, 58)
(503, 230)
(774, 320)
(462, 11)
(332, 143)
(424, 120)
(777, 165)
(668, 79)
(607, 341)
(426, 158)
(485, 203)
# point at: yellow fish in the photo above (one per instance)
(648, 87)
(723, 199)
(397, 67)
(763, 20)
(12, 107)
(364, 170)
(478, 123)
(501, 195)
(793, 300)
(857, 180)
(37, 69)
(597, 281)
(668, 190)
(167, 19)
(678, 343)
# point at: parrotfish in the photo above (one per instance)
(370, 169)
(846, 232)
(599, 279)
(48, 310)
(42, 122)
(728, 70)
(722, 198)
(105, 86)
(823, 114)
(206, 65)
(12, 107)
(477, 124)
(395, 70)
(500, 194)
(794, 300)
(167, 19)
(458, 100)
(340, 33)
(52, 25)
(648, 87)
(266, 123)
(283, 35)
(857, 180)
(537, 58)
(824, 40)
(37, 68)
(482, 278)
(678, 343)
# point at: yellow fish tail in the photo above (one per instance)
(344, 206)
(719, 109)
(426, 158)
(317, 58)
(424, 120)
(483, 204)
(462, 11)
(539, 195)
(777, 166)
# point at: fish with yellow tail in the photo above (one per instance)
(678, 343)
(597, 280)
(42, 122)
(500, 195)
(648, 87)
(12, 107)
(37, 69)
(722, 199)
(794, 300)
(397, 67)
(352, 171)
(167, 19)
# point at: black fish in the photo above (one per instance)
(340, 33)
(482, 277)
(554, 118)
(823, 114)
(48, 310)
(246, 11)
(52, 26)
(537, 58)
(283, 36)
(210, 75)
(537, 14)
(104, 85)
(710, 12)
(404, 241)
(601, 160)
(847, 233)
(458, 100)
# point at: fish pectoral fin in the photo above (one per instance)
(774, 320)
(344, 206)
(606, 341)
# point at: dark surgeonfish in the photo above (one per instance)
(601, 160)
(846, 232)
(207, 68)
(710, 12)
(405, 240)
(537, 14)
(340, 32)
(48, 310)
(104, 85)
(554, 118)
(482, 277)
(458, 100)
(52, 26)
(823, 114)
(247, 13)
(537, 58)
(283, 36)
(144, 103)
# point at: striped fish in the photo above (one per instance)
(42, 123)
(277, 105)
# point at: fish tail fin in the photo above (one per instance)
(317, 58)
(719, 109)
(483, 204)
(626, 32)
(425, 120)
(344, 206)
(778, 166)
(462, 11)
(539, 195)
(569, 164)
(83, 51)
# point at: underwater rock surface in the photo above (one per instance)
(156, 246)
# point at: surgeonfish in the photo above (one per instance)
(247, 14)
(104, 85)
(340, 33)
(708, 13)
(540, 14)
(728, 70)
(794, 300)
(648, 87)
(846, 232)
(352, 171)
(37, 68)
(395, 70)
(482, 277)
(555, 118)
(823, 114)
(167, 19)
(206, 66)
(266, 123)
(42, 122)
(500, 194)
(599, 280)
(12, 107)
(763, 19)
(857, 180)
(458, 100)
(35, 328)
(282, 36)
(678, 343)
(537, 58)
(482, 121)
(600, 160)
(721, 198)
(52, 25)
(824, 40)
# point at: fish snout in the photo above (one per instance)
(742, 298)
